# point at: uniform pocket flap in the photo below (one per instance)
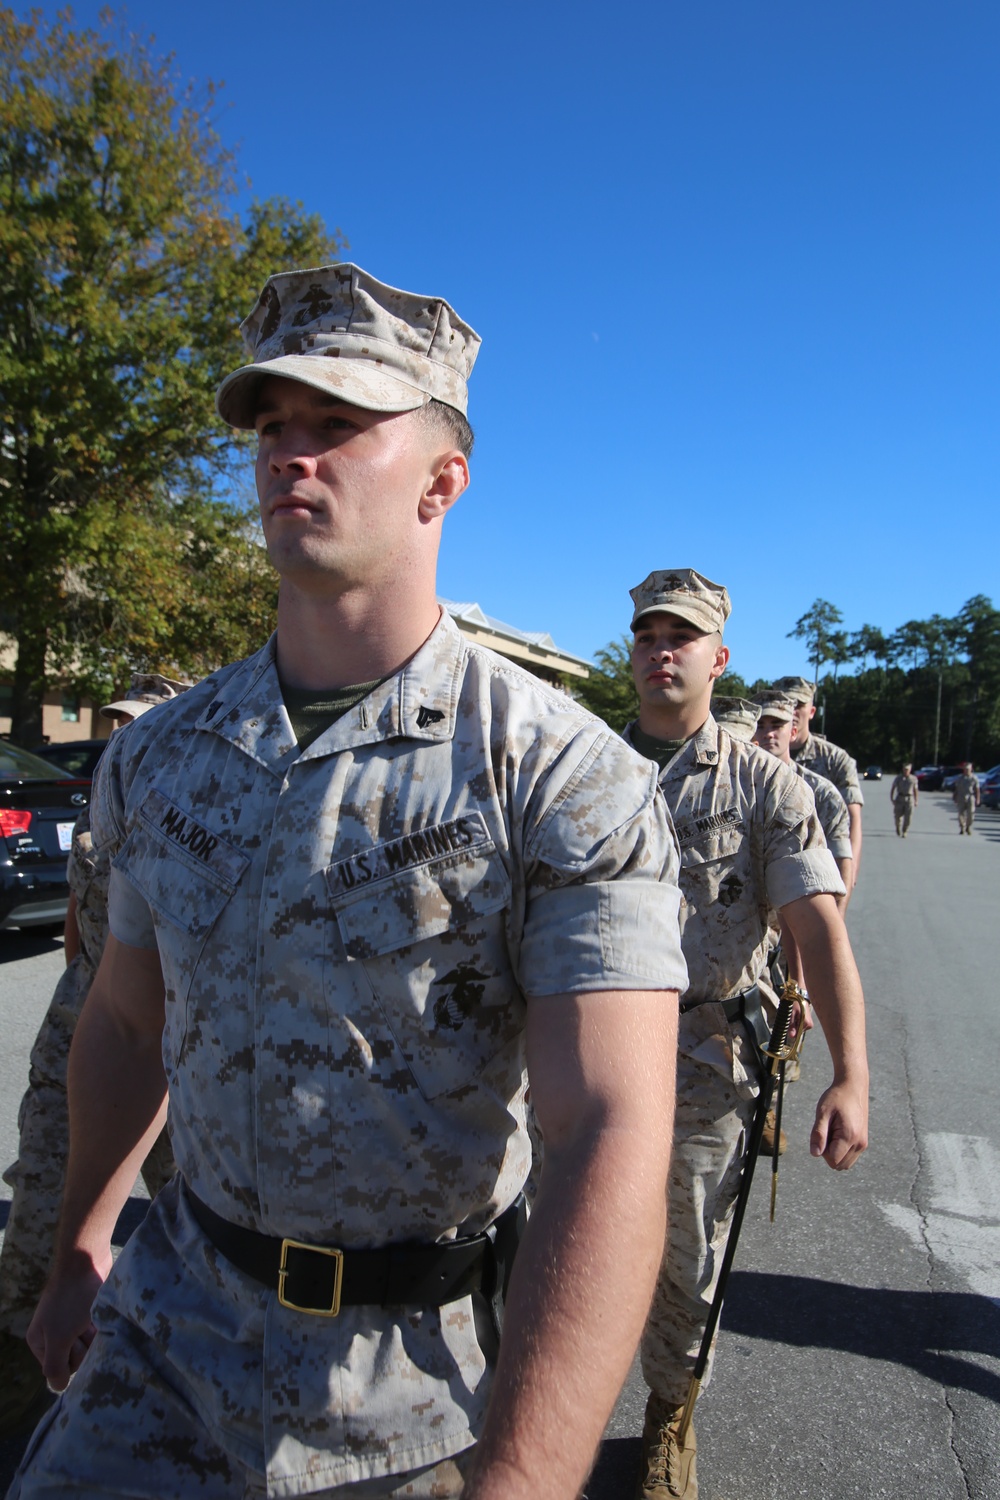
(417, 887)
(184, 871)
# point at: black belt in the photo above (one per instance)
(322, 1279)
(746, 1008)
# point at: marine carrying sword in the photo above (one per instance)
(776, 1053)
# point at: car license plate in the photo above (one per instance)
(65, 831)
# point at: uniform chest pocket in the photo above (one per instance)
(431, 942)
(183, 870)
(715, 868)
(389, 911)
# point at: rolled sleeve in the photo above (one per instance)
(811, 872)
(609, 935)
(129, 916)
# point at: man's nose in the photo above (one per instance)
(290, 454)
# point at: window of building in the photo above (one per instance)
(70, 710)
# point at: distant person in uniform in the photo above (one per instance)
(826, 759)
(751, 845)
(38, 1175)
(359, 881)
(966, 796)
(904, 794)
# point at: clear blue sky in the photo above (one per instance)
(735, 265)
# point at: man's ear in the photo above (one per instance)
(449, 480)
(812, 710)
(721, 661)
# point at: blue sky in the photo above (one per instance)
(734, 264)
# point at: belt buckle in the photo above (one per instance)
(338, 1277)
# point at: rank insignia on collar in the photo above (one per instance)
(427, 716)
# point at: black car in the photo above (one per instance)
(78, 757)
(39, 803)
(873, 773)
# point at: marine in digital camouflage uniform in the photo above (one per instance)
(966, 794)
(750, 842)
(377, 867)
(904, 795)
(776, 733)
(826, 759)
(38, 1175)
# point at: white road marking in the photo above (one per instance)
(962, 1228)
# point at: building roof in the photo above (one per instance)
(535, 648)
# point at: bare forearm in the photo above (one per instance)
(854, 814)
(579, 1297)
(117, 1105)
(834, 985)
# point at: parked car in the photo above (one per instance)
(78, 757)
(990, 787)
(938, 778)
(39, 803)
(873, 773)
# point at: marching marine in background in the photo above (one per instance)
(358, 881)
(904, 795)
(38, 1175)
(750, 841)
(776, 733)
(966, 795)
(826, 759)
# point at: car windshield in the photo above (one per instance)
(21, 765)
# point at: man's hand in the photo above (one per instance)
(823, 953)
(61, 1331)
(840, 1133)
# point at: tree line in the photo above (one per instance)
(125, 541)
(927, 692)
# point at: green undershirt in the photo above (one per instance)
(313, 713)
(659, 750)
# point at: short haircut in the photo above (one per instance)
(449, 422)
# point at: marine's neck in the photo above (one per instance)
(333, 642)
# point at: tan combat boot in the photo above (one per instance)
(767, 1141)
(667, 1471)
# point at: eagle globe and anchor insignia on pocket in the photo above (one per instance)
(184, 870)
(417, 886)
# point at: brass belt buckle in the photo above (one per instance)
(338, 1277)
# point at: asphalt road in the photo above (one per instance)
(860, 1351)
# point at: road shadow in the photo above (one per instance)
(15, 945)
(925, 1331)
(616, 1470)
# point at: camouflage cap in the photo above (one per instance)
(339, 330)
(685, 593)
(800, 688)
(775, 705)
(738, 716)
(145, 691)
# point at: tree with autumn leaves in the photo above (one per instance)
(124, 273)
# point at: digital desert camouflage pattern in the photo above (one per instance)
(966, 790)
(685, 593)
(39, 1174)
(737, 716)
(349, 938)
(338, 329)
(750, 840)
(832, 812)
(827, 759)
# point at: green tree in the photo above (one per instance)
(816, 628)
(123, 276)
(610, 691)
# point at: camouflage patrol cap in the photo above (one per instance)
(685, 593)
(799, 688)
(738, 716)
(339, 330)
(145, 691)
(775, 705)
